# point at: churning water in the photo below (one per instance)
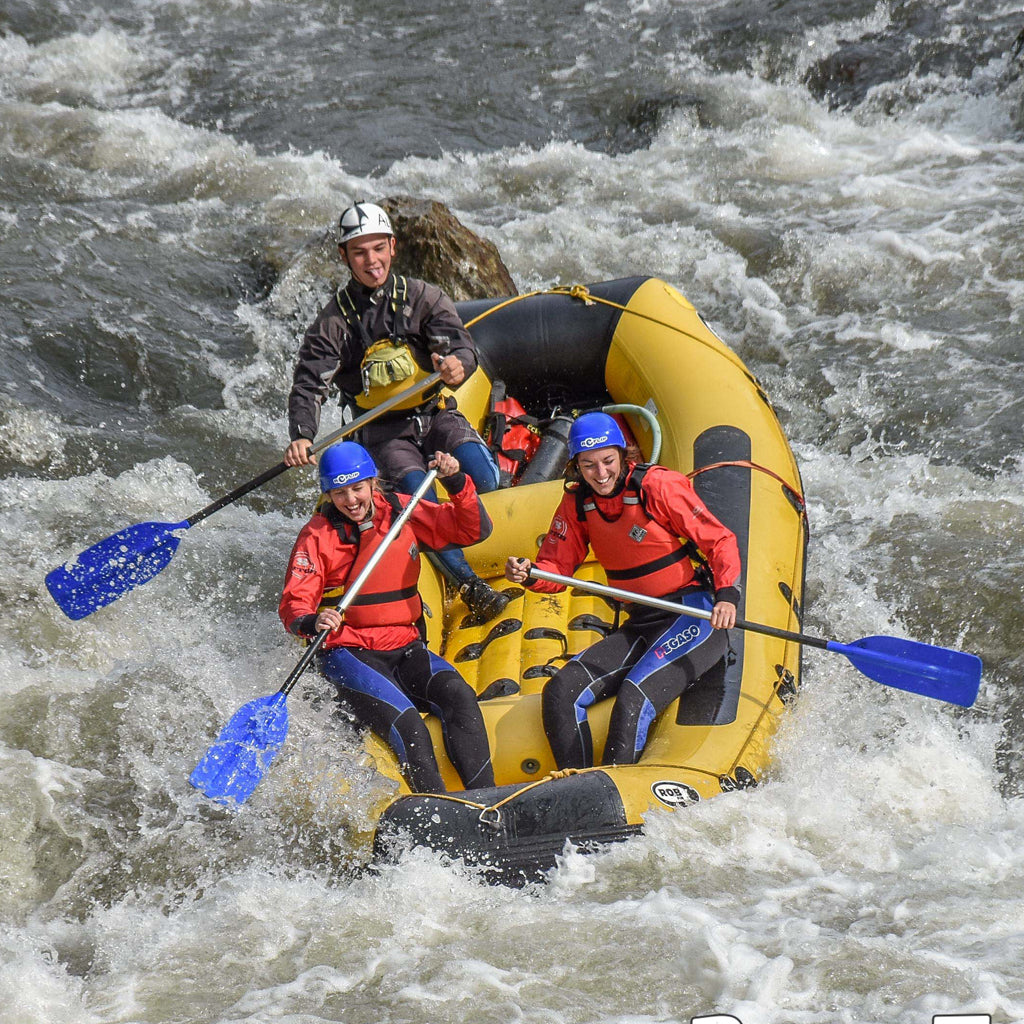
(836, 186)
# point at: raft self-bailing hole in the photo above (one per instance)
(587, 621)
(471, 652)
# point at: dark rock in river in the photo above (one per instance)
(1013, 79)
(844, 77)
(434, 245)
(913, 57)
(636, 126)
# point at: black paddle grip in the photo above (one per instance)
(782, 634)
(237, 493)
(303, 664)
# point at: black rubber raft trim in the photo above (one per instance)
(543, 338)
(726, 492)
(520, 840)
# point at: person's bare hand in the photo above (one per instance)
(723, 615)
(453, 373)
(297, 453)
(517, 570)
(445, 464)
(329, 618)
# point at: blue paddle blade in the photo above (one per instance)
(234, 765)
(112, 567)
(939, 672)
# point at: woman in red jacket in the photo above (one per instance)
(644, 524)
(384, 673)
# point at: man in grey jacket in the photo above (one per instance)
(375, 337)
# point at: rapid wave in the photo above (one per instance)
(837, 189)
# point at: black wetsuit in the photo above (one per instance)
(650, 660)
(386, 690)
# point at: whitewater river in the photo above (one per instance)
(837, 186)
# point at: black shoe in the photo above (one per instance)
(483, 600)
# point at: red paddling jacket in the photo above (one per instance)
(643, 535)
(331, 550)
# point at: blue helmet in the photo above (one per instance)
(343, 464)
(594, 430)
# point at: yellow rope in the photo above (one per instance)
(583, 293)
(502, 305)
(488, 810)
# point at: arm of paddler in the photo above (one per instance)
(318, 360)
(562, 551)
(453, 351)
(305, 581)
(672, 500)
(463, 521)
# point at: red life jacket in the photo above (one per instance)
(636, 551)
(390, 596)
(512, 434)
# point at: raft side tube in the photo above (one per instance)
(515, 833)
(531, 341)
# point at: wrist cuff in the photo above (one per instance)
(304, 625)
(454, 484)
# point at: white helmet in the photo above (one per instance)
(364, 219)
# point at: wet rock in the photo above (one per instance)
(912, 49)
(844, 77)
(1013, 79)
(434, 245)
(1015, 61)
(1018, 48)
(636, 127)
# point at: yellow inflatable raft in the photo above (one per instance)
(692, 405)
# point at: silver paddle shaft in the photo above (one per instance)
(352, 591)
(619, 595)
(681, 609)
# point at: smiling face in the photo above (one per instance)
(355, 501)
(369, 258)
(600, 469)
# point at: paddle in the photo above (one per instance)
(232, 768)
(947, 675)
(131, 557)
